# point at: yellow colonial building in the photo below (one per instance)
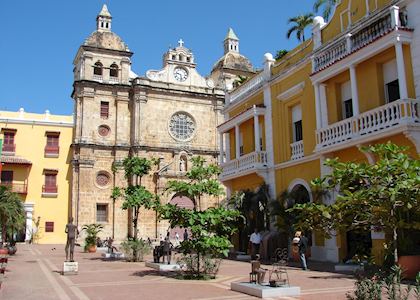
(35, 164)
(355, 82)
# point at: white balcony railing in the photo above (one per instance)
(374, 121)
(251, 161)
(297, 150)
(247, 88)
(113, 79)
(354, 40)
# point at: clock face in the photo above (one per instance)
(180, 74)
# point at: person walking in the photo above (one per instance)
(303, 246)
(255, 240)
(185, 235)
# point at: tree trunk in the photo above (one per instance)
(395, 236)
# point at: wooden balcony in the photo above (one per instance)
(244, 165)
(49, 189)
(19, 188)
(51, 151)
(382, 121)
(8, 148)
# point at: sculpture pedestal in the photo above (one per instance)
(162, 266)
(70, 268)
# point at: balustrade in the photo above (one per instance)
(247, 88)
(253, 160)
(297, 150)
(373, 121)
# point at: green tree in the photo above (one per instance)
(135, 195)
(299, 23)
(210, 229)
(384, 195)
(12, 213)
(201, 180)
(327, 6)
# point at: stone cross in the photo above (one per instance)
(181, 43)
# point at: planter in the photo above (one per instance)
(91, 249)
(410, 265)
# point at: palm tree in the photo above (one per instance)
(328, 6)
(12, 213)
(299, 24)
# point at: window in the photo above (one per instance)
(52, 147)
(393, 91)
(50, 186)
(6, 178)
(297, 123)
(346, 98)
(348, 108)
(390, 73)
(297, 131)
(49, 226)
(97, 68)
(181, 126)
(104, 110)
(102, 213)
(241, 144)
(9, 141)
(113, 70)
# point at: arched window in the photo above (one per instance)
(113, 70)
(97, 68)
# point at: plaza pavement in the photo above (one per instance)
(34, 273)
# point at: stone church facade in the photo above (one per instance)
(169, 114)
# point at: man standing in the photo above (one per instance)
(303, 246)
(255, 240)
(72, 232)
(185, 235)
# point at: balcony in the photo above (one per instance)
(357, 38)
(97, 78)
(297, 150)
(49, 190)
(19, 188)
(113, 79)
(8, 149)
(247, 88)
(51, 151)
(388, 119)
(244, 165)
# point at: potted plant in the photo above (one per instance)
(92, 231)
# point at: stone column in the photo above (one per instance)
(29, 209)
(354, 91)
(221, 148)
(227, 146)
(317, 107)
(257, 133)
(402, 81)
(323, 104)
(237, 145)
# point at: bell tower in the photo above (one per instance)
(104, 19)
(231, 42)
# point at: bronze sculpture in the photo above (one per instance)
(72, 232)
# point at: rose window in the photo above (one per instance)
(102, 179)
(182, 126)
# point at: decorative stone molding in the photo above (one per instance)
(293, 91)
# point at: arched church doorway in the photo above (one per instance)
(184, 202)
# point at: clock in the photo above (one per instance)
(180, 74)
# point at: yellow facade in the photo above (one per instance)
(31, 161)
(352, 84)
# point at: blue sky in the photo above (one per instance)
(40, 39)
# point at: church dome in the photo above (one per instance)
(106, 40)
(234, 60)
